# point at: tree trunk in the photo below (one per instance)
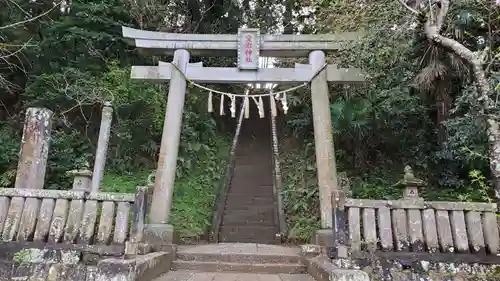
(494, 155)
(443, 106)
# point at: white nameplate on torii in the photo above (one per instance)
(199, 74)
(248, 48)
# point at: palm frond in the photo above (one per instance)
(459, 67)
(434, 71)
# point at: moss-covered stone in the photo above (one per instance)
(26, 256)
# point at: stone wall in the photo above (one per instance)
(415, 268)
(58, 265)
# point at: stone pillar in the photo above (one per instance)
(159, 232)
(30, 173)
(323, 139)
(167, 163)
(102, 146)
(34, 148)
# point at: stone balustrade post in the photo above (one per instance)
(102, 146)
(82, 179)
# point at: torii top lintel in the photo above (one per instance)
(227, 44)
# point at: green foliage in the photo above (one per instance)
(300, 194)
(492, 275)
(195, 192)
(418, 107)
(8, 154)
(76, 60)
(73, 58)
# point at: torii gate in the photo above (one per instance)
(248, 45)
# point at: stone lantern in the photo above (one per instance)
(82, 179)
(411, 184)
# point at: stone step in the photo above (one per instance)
(245, 183)
(256, 176)
(240, 206)
(254, 155)
(253, 162)
(236, 201)
(246, 197)
(230, 276)
(248, 234)
(270, 268)
(239, 195)
(243, 188)
(240, 258)
(250, 211)
(230, 222)
(232, 218)
(238, 192)
(261, 239)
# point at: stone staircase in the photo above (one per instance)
(250, 215)
(237, 261)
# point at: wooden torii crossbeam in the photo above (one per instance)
(248, 45)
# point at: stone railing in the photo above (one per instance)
(277, 181)
(77, 234)
(412, 229)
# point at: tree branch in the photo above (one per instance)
(30, 19)
(3, 57)
(408, 7)
(432, 32)
(477, 67)
(443, 11)
(20, 8)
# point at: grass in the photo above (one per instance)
(194, 191)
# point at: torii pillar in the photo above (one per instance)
(159, 231)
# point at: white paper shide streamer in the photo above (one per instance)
(257, 99)
(233, 106)
(210, 105)
(221, 109)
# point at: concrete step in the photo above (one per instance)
(269, 268)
